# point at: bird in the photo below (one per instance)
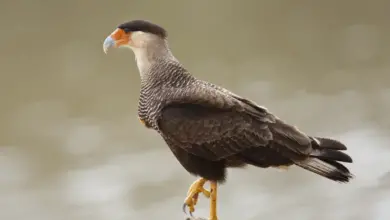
(209, 128)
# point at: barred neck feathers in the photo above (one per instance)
(166, 73)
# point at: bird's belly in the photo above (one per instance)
(198, 166)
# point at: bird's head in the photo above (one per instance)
(137, 35)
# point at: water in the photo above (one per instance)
(71, 146)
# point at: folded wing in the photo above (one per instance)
(218, 131)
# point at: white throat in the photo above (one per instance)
(143, 59)
(148, 49)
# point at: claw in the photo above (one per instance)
(191, 210)
(190, 205)
(193, 195)
(185, 208)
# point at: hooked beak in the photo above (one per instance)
(108, 42)
(116, 39)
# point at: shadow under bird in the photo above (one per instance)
(208, 128)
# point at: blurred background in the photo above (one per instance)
(71, 146)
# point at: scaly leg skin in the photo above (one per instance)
(193, 194)
(213, 201)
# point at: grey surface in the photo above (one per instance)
(71, 146)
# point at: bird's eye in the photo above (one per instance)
(126, 30)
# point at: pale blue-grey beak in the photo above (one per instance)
(108, 42)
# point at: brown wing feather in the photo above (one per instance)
(225, 124)
(298, 141)
(212, 133)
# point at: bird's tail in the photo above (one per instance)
(325, 160)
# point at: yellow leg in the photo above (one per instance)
(193, 194)
(213, 201)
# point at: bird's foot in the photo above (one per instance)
(193, 195)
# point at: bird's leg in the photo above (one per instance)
(213, 201)
(193, 194)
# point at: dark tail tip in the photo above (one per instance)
(341, 174)
(327, 168)
(328, 143)
(329, 149)
(331, 155)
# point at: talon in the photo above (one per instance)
(185, 208)
(193, 195)
(190, 205)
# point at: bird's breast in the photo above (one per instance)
(147, 109)
(143, 115)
